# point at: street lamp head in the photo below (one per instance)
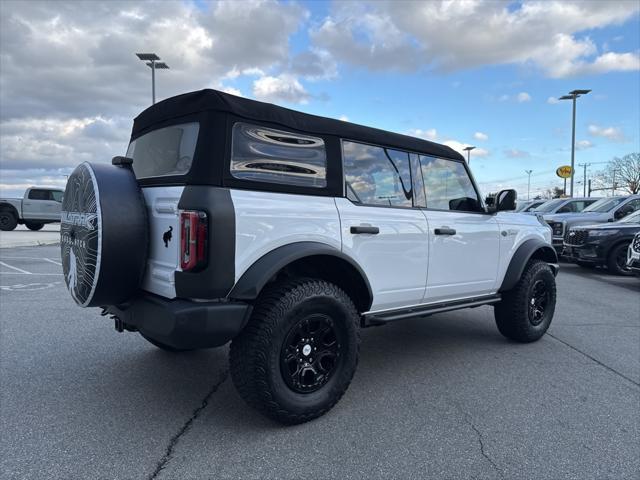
(579, 92)
(157, 65)
(566, 97)
(147, 56)
(468, 149)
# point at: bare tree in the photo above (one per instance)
(625, 172)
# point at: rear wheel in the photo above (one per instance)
(525, 312)
(34, 226)
(617, 260)
(297, 355)
(8, 221)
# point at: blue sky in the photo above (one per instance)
(461, 73)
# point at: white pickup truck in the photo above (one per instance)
(39, 206)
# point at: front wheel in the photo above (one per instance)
(298, 353)
(34, 226)
(617, 260)
(526, 311)
(8, 221)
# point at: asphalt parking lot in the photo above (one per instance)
(442, 397)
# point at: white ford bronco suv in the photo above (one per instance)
(286, 233)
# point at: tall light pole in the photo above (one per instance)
(573, 95)
(153, 63)
(584, 181)
(468, 150)
(528, 172)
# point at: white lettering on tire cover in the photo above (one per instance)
(81, 234)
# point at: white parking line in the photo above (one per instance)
(28, 273)
(15, 268)
(52, 261)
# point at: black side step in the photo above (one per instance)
(380, 318)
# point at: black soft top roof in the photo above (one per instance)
(214, 100)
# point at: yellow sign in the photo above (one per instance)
(564, 172)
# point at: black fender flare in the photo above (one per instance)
(252, 281)
(532, 248)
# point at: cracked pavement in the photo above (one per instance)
(442, 397)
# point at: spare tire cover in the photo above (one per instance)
(103, 235)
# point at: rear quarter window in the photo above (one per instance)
(164, 152)
(263, 154)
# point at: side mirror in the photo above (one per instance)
(505, 201)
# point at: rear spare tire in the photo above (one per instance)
(103, 235)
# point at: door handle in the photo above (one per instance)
(444, 231)
(365, 229)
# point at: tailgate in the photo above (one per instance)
(164, 239)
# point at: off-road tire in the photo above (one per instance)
(612, 260)
(34, 226)
(513, 313)
(8, 221)
(255, 355)
(162, 346)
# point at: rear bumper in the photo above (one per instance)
(183, 324)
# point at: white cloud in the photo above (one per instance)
(431, 134)
(523, 97)
(583, 144)
(232, 91)
(448, 35)
(314, 64)
(344, 118)
(552, 100)
(610, 133)
(483, 137)
(285, 88)
(459, 147)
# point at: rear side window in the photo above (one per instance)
(39, 195)
(164, 152)
(262, 154)
(376, 175)
(448, 186)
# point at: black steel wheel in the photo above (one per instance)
(8, 221)
(298, 353)
(539, 302)
(617, 260)
(526, 311)
(310, 353)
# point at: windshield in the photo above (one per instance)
(604, 205)
(633, 218)
(163, 152)
(549, 206)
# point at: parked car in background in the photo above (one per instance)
(529, 205)
(564, 205)
(604, 210)
(37, 207)
(633, 255)
(604, 244)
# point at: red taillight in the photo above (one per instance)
(193, 240)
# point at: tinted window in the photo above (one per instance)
(376, 175)
(549, 206)
(447, 185)
(39, 195)
(604, 205)
(628, 208)
(163, 152)
(263, 154)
